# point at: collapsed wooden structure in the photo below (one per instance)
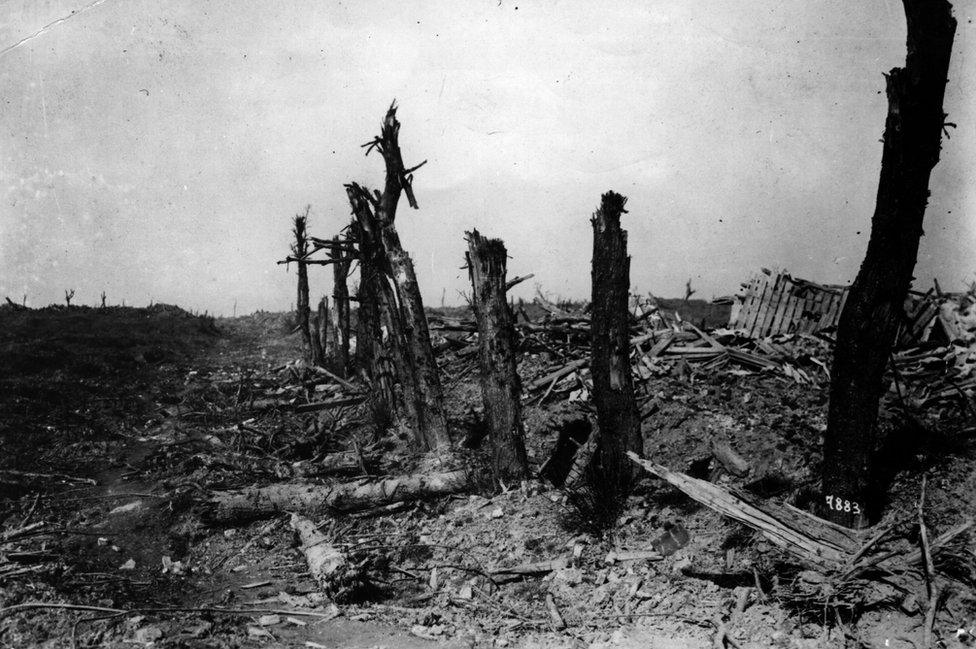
(778, 303)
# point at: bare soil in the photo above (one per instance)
(159, 407)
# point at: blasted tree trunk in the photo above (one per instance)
(340, 324)
(320, 333)
(501, 388)
(871, 316)
(613, 388)
(398, 180)
(430, 396)
(300, 250)
(369, 346)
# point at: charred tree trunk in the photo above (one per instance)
(340, 305)
(871, 315)
(300, 250)
(613, 388)
(419, 352)
(369, 345)
(501, 388)
(392, 348)
(391, 317)
(320, 333)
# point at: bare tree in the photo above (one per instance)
(68, 294)
(613, 387)
(103, 299)
(874, 308)
(430, 399)
(501, 388)
(299, 251)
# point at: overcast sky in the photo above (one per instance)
(157, 149)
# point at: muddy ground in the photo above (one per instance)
(158, 407)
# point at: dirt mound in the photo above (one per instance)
(70, 376)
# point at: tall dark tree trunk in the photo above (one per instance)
(869, 322)
(320, 333)
(393, 347)
(396, 348)
(340, 305)
(613, 387)
(369, 347)
(300, 250)
(420, 354)
(501, 388)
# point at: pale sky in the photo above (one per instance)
(157, 149)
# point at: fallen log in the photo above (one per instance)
(327, 404)
(565, 370)
(312, 499)
(26, 477)
(532, 569)
(788, 528)
(329, 565)
(728, 458)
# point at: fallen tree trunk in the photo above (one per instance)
(311, 499)
(817, 542)
(328, 564)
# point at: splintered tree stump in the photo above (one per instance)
(379, 211)
(613, 389)
(501, 388)
(378, 355)
(852, 491)
(224, 507)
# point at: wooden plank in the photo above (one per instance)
(830, 317)
(811, 309)
(763, 324)
(753, 307)
(792, 313)
(804, 308)
(743, 312)
(787, 293)
(818, 306)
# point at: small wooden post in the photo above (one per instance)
(501, 388)
(613, 387)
